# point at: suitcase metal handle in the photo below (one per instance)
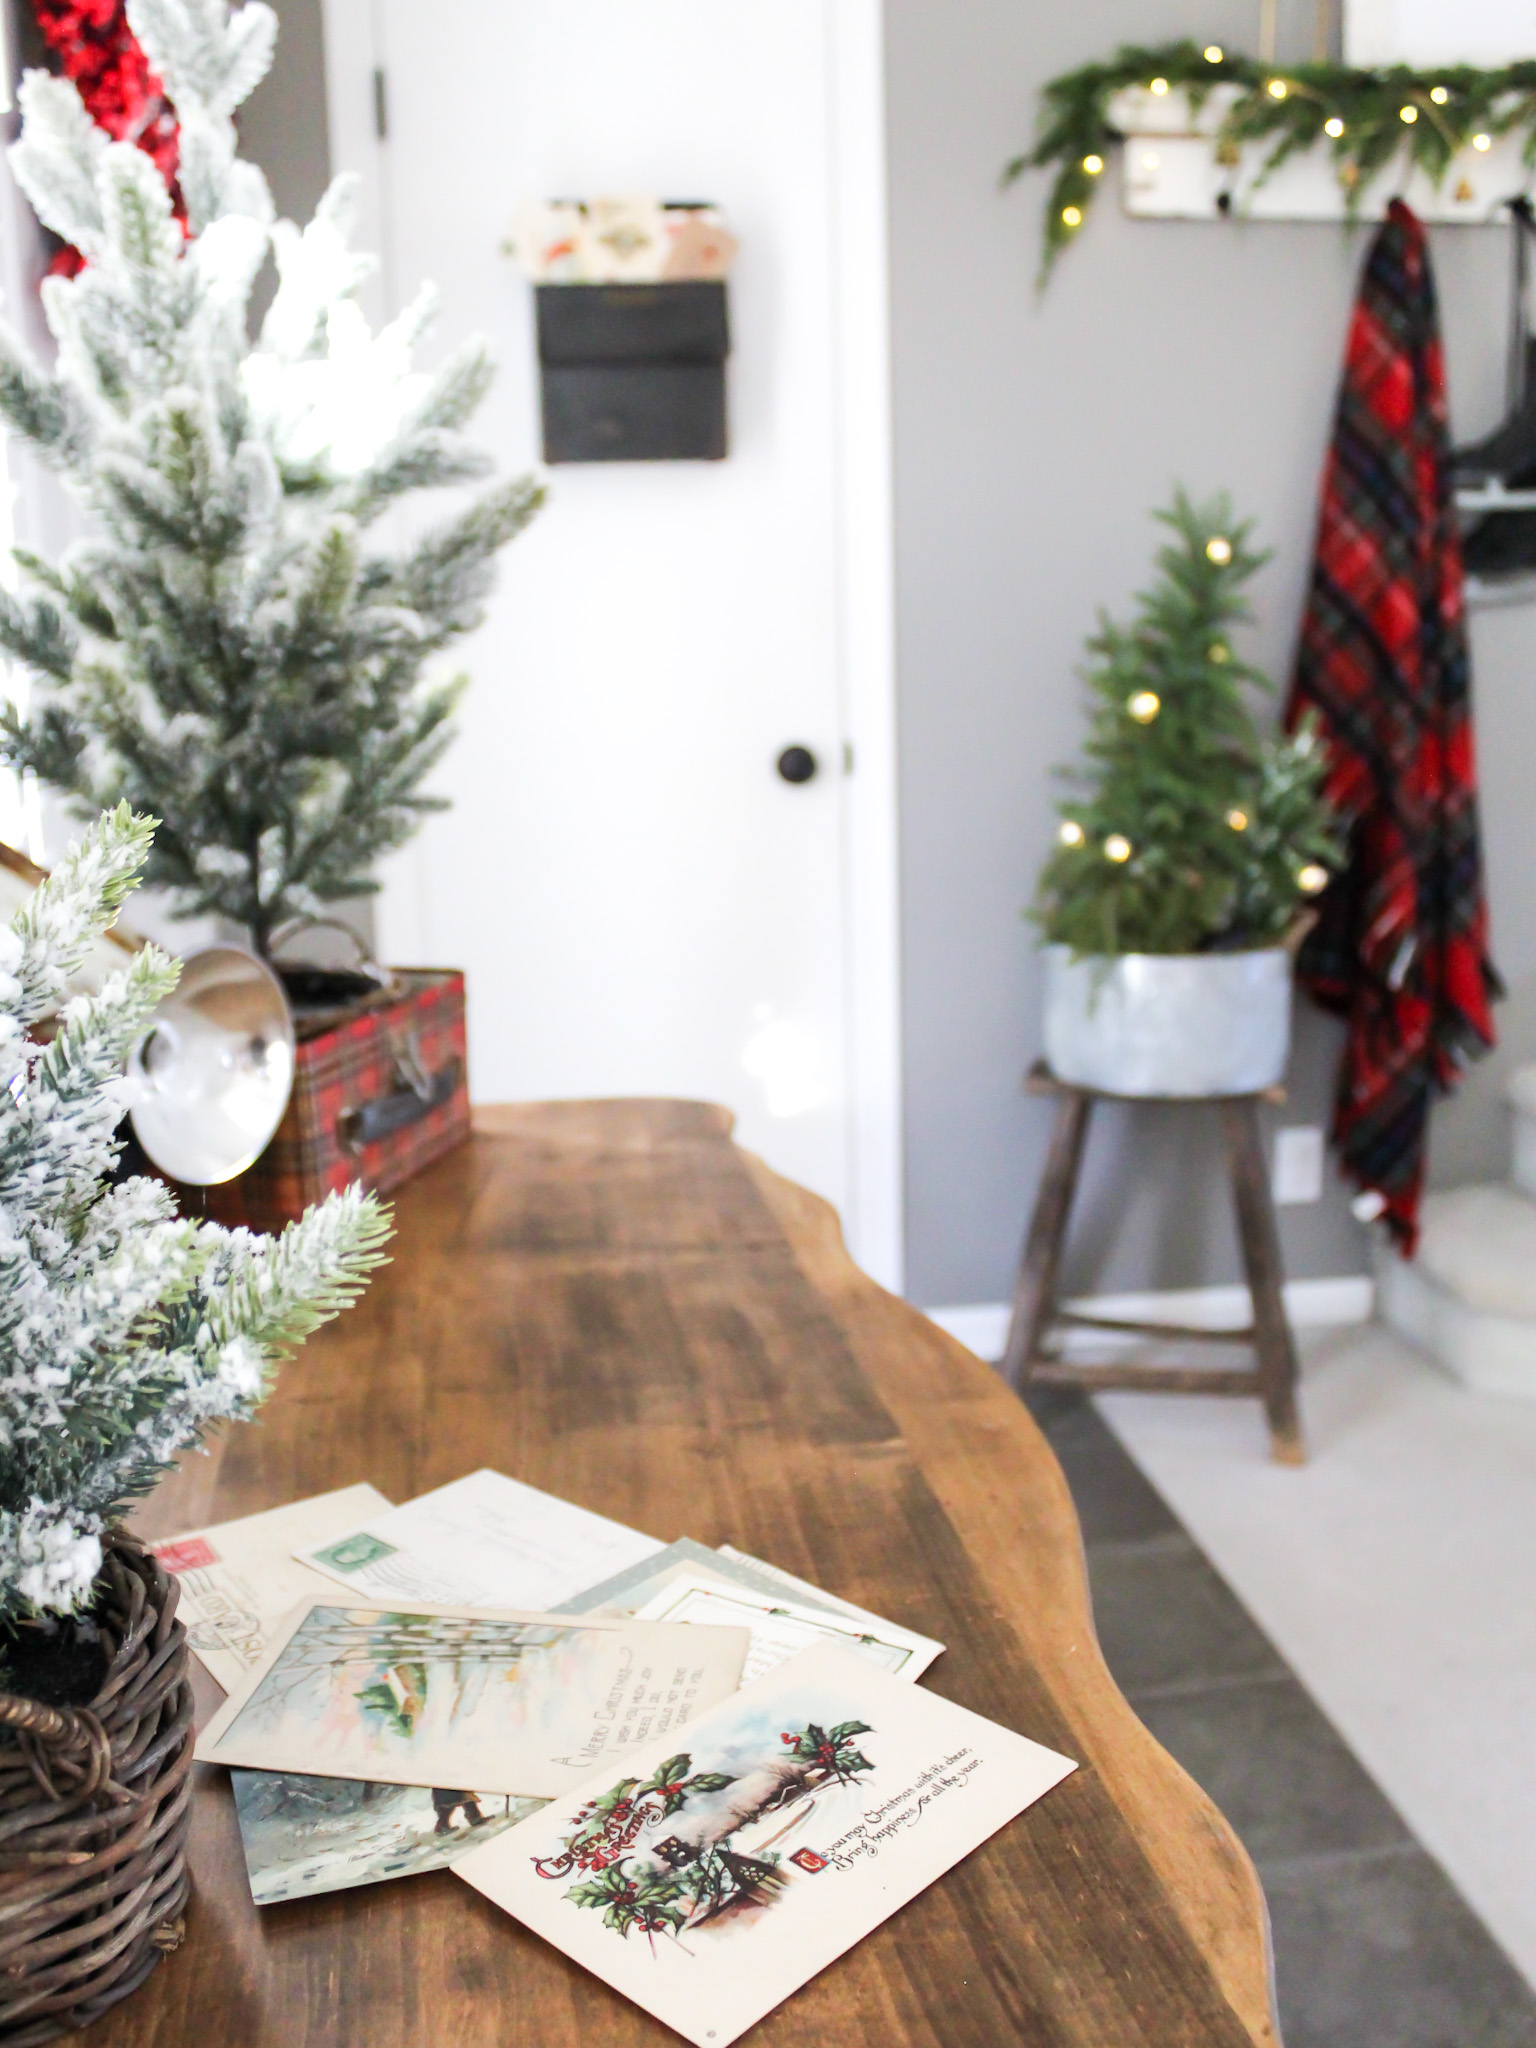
(418, 1094)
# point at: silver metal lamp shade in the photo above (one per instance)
(214, 1070)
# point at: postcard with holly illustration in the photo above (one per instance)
(529, 1704)
(713, 1878)
(239, 1580)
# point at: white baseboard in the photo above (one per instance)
(982, 1326)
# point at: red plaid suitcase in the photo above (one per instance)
(375, 1099)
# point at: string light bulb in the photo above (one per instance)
(1311, 878)
(1218, 651)
(1214, 53)
(1408, 114)
(1073, 216)
(1218, 550)
(1482, 142)
(1238, 820)
(1159, 86)
(1117, 847)
(1333, 126)
(1278, 88)
(1439, 95)
(1093, 165)
(1144, 706)
(1069, 832)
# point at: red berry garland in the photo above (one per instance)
(99, 51)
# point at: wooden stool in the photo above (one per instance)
(1033, 1350)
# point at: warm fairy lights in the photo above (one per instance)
(1072, 215)
(1383, 125)
(1238, 820)
(1311, 878)
(1219, 550)
(1093, 165)
(1144, 706)
(1117, 847)
(1070, 833)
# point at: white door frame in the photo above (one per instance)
(866, 656)
(871, 863)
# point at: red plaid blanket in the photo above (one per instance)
(1400, 948)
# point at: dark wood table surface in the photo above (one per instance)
(611, 1301)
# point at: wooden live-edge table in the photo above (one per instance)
(611, 1301)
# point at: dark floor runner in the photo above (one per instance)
(1374, 1946)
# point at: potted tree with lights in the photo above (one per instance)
(231, 645)
(1188, 849)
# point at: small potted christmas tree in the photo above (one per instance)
(230, 646)
(126, 1331)
(1189, 848)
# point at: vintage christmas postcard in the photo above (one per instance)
(634, 1590)
(781, 1627)
(305, 1835)
(712, 1879)
(523, 1703)
(626, 1592)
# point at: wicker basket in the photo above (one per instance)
(94, 1807)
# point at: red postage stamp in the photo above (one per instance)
(188, 1555)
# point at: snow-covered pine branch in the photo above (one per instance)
(124, 1329)
(224, 650)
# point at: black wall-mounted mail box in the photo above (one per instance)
(633, 372)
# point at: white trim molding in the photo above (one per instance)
(982, 1326)
(867, 630)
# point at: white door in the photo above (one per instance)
(643, 906)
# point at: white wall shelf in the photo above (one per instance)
(1171, 172)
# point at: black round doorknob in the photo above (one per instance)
(797, 764)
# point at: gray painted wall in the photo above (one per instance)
(1033, 437)
(283, 124)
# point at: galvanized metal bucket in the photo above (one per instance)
(1168, 1024)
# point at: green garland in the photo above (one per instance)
(1362, 116)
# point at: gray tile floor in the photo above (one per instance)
(1374, 1947)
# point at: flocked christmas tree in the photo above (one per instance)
(1191, 830)
(124, 1329)
(225, 649)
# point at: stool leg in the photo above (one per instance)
(1034, 1294)
(1261, 1259)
